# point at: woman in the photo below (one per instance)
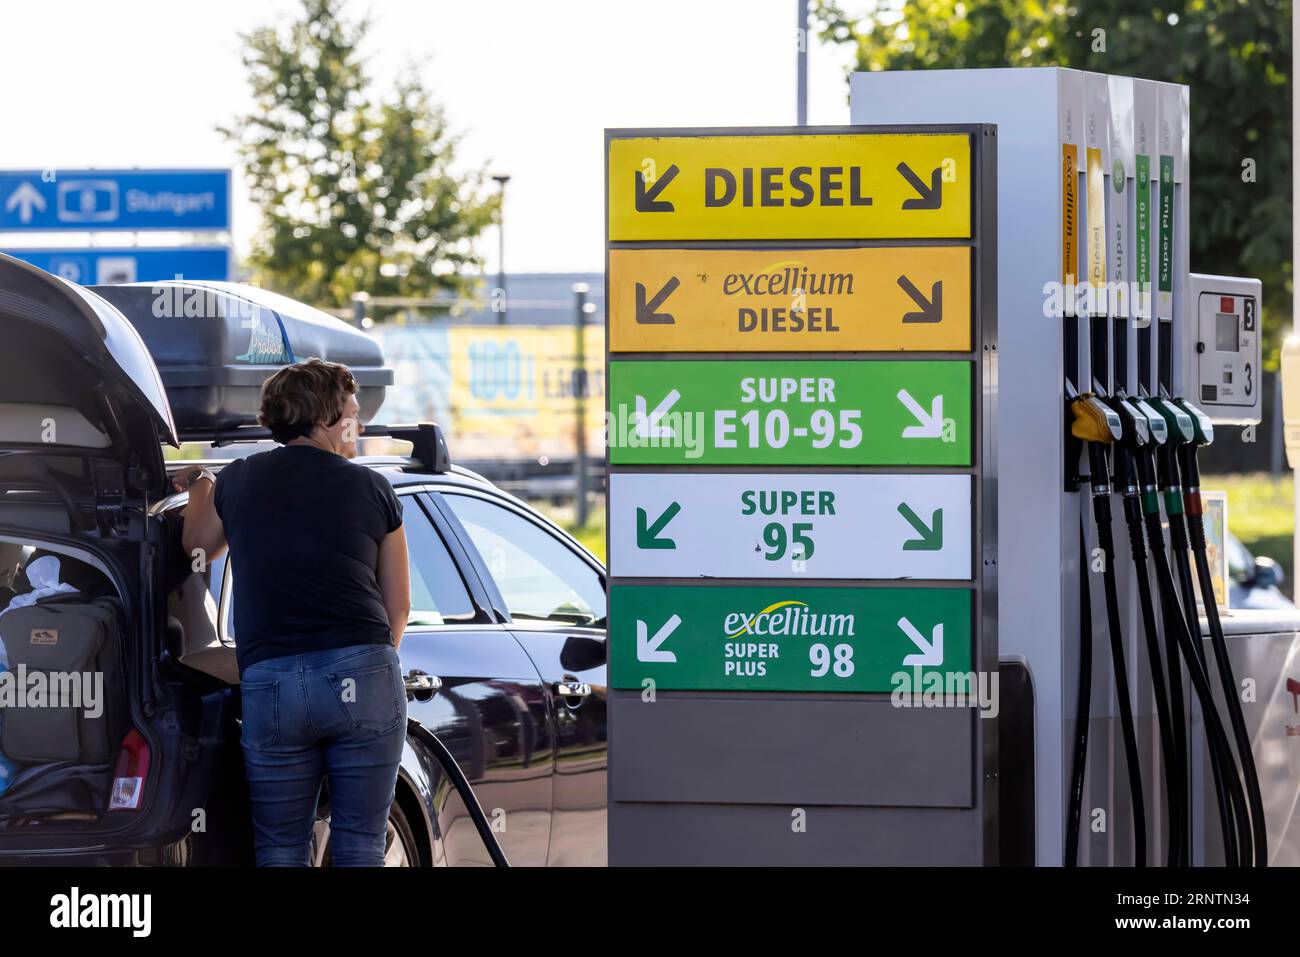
(321, 601)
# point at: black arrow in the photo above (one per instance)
(931, 309)
(931, 196)
(647, 200)
(647, 313)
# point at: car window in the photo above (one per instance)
(438, 593)
(539, 576)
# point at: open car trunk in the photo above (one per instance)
(92, 738)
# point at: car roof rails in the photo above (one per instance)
(428, 444)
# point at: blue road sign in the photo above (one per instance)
(99, 267)
(45, 200)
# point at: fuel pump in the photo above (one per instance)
(1098, 426)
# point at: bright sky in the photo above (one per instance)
(530, 84)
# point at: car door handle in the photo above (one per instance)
(419, 682)
(571, 689)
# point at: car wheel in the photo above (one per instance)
(400, 849)
(399, 841)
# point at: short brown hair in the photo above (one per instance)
(304, 395)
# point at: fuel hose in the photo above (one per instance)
(461, 783)
(1175, 778)
(1180, 548)
(1105, 541)
(1176, 625)
(1245, 754)
(1083, 706)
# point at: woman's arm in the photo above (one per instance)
(203, 530)
(395, 581)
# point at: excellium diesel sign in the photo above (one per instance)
(882, 298)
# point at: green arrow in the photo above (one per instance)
(647, 536)
(931, 539)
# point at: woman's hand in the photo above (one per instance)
(182, 481)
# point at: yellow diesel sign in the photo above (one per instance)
(790, 186)
(877, 299)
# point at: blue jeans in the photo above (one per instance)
(339, 712)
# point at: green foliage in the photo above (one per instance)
(1234, 54)
(357, 192)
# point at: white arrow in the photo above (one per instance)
(25, 198)
(931, 423)
(647, 426)
(931, 652)
(647, 648)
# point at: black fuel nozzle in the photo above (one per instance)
(1145, 456)
(1129, 449)
(1203, 434)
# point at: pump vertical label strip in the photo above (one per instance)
(1069, 213)
(1142, 205)
(1166, 274)
(1096, 226)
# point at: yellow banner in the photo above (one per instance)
(512, 390)
(790, 186)
(877, 299)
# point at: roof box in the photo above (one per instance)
(215, 343)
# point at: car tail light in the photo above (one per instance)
(130, 774)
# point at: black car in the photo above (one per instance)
(504, 657)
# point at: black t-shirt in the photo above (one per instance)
(304, 527)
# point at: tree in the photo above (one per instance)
(1235, 56)
(357, 193)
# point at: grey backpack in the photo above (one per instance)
(71, 646)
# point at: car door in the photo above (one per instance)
(554, 596)
(491, 711)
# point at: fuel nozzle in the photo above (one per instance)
(1097, 425)
(1182, 431)
(1202, 434)
(1130, 449)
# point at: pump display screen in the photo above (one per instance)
(1227, 336)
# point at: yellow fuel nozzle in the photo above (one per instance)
(1094, 421)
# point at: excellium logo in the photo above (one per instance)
(787, 618)
(77, 910)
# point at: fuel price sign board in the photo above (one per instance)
(866, 299)
(785, 638)
(790, 524)
(790, 412)
(801, 373)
